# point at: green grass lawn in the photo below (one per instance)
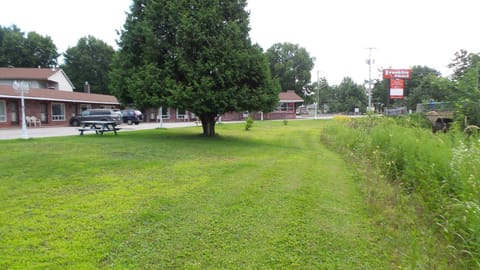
(271, 197)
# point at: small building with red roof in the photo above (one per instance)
(286, 109)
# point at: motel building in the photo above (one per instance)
(50, 100)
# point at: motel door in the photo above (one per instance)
(43, 112)
(12, 110)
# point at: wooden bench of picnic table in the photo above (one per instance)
(99, 127)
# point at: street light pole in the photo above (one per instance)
(23, 88)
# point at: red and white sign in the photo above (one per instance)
(397, 74)
(396, 88)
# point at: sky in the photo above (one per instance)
(340, 34)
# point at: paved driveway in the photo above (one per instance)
(39, 132)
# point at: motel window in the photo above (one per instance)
(58, 112)
(165, 113)
(181, 114)
(3, 111)
(286, 107)
(84, 107)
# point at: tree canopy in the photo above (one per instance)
(30, 50)
(291, 65)
(90, 61)
(462, 62)
(426, 84)
(466, 74)
(349, 95)
(194, 55)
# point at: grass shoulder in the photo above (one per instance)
(272, 197)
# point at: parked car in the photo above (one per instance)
(132, 116)
(96, 115)
(302, 110)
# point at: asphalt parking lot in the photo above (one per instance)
(40, 132)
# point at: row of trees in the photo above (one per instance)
(90, 60)
(427, 84)
(31, 50)
(198, 55)
(194, 55)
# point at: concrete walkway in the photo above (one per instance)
(39, 132)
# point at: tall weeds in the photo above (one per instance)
(441, 170)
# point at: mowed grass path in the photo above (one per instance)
(272, 197)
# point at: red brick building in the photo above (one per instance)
(50, 98)
(288, 102)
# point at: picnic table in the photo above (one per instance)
(99, 127)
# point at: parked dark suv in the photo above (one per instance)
(132, 116)
(96, 115)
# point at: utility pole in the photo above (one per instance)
(370, 62)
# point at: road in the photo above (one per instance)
(40, 132)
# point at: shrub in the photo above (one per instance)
(440, 169)
(248, 123)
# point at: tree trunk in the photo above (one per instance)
(208, 124)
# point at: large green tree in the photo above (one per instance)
(380, 94)
(348, 95)
(89, 61)
(419, 73)
(431, 88)
(466, 67)
(426, 84)
(462, 63)
(31, 50)
(291, 65)
(194, 55)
